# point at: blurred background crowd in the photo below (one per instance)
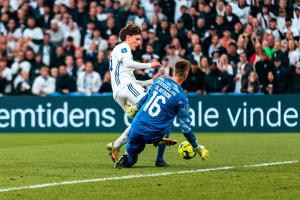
(62, 47)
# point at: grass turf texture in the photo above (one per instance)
(28, 159)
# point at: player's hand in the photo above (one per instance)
(204, 154)
(156, 76)
(155, 64)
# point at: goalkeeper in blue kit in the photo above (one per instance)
(157, 111)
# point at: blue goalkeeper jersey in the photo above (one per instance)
(158, 109)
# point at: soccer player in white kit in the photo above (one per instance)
(127, 91)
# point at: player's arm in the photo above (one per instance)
(128, 62)
(126, 58)
(145, 83)
(185, 125)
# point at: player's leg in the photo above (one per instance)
(122, 139)
(115, 146)
(134, 147)
(160, 162)
(128, 95)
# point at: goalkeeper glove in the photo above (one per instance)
(202, 152)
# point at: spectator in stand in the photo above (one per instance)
(46, 50)
(296, 18)
(270, 45)
(226, 39)
(44, 15)
(148, 56)
(243, 70)
(279, 53)
(252, 85)
(20, 64)
(69, 48)
(256, 56)
(215, 45)
(112, 42)
(171, 55)
(294, 84)
(195, 80)
(204, 64)
(54, 72)
(80, 65)
(102, 65)
(5, 77)
(270, 86)
(233, 57)
(196, 53)
(241, 9)
(44, 84)
(55, 32)
(158, 12)
(293, 53)
(22, 84)
(230, 18)
(154, 41)
(87, 34)
(216, 81)
(106, 84)
(65, 84)
(281, 74)
(224, 65)
(72, 31)
(59, 57)
(89, 81)
(263, 67)
(101, 43)
(110, 28)
(163, 33)
(33, 34)
(91, 52)
(70, 66)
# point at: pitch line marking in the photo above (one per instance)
(134, 176)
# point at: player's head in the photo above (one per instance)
(131, 34)
(182, 68)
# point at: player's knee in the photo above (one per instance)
(132, 160)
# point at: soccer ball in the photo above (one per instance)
(186, 150)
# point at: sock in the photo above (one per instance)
(161, 150)
(122, 139)
(160, 153)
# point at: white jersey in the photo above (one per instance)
(124, 84)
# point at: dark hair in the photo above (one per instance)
(129, 30)
(181, 66)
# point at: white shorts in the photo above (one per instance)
(129, 94)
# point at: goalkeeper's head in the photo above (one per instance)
(131, 34)
(181, 72)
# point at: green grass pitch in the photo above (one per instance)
(30, 159)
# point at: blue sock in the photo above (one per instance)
(160, 153)
(161, 149)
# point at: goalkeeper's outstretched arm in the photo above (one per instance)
(185, 125)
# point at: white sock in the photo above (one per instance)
(122, 139)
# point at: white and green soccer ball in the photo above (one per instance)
(186, 150)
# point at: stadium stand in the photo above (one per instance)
(235, 46)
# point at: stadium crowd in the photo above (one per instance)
(62, 47)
